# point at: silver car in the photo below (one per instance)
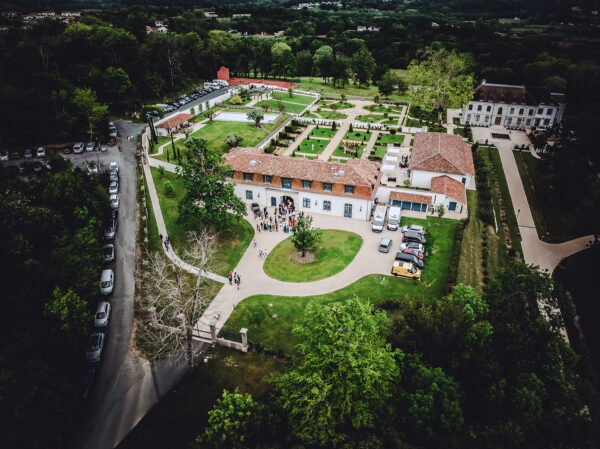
(113, 187)
(90, 146)
(95, 347)
(414, 228)
(114, 176)
(412, 245)
(102, 314)
(41, 152)
(78, 147)
(107, 282)
(384, 245)
(114, 201)
(108, 252)
(111, 229)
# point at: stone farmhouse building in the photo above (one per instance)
(313, 186)
(513, 107)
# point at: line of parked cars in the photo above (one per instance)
(175, 105)
(107, 277)
(408, 262)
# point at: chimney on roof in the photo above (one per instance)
(483, 82)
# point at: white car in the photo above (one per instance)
(114, 201)
(90, 146)
(108, 252)
(113, 187)
(112, 132)
(41, 152)
(102, 314)
(92, 167)
(4, 156)
(78, 147)
(412, 245)
(114, 167)
(107, 282)
(414, 228)
(111, 229)
(95, 347)
(114, 176)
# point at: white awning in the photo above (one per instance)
(391, 158)
(388, 167)
(393, 150)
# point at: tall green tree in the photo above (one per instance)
(208, 198)
(256, 116)
(305, 236)
(387, 83)
(441, 80)
(363, 66)
(344, 376)
(94, 111)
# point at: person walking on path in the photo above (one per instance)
(166, 242)
(254, 243)
(230, 278)
(161, 237)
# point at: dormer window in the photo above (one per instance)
(306, 184)
(247, 176)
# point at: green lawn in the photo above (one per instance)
(339, 151)
(183, 413)
(306, 146)
(390, 138)
(243, 103)
(339, 105)
(296, 98)
(161, 141)
(362, 136)
(370, 118)
(379, 151)
(232, 241)
(216, 132)
(470, 268)
(289, 107)
(385, 108)
(323, 132)
(327, 115)
(256, 312)
(318, 85)
(335, 251)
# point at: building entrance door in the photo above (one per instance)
(498, 120)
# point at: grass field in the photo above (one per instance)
(382, 108)
(339, 151)
(323, 132)
(215, 133)
(183, 413)
(232, 241)
(256, 312)
(289, 107)
(339, 105)
(285, 97)
(470, 269)
(332, 254)
(327, 114)
(318, 85)
(390, 138)
(370, 118)
(379, 151)
(306, 146)
(362, 136)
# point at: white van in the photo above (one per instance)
(393, 218)
(379, 218)
(220, 83)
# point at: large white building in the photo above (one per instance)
(513, 106)
(312, 186)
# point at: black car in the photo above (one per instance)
(410, 258)
(15, 155)
(67, 150)
(410, 236)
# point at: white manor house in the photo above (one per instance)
(513, 106)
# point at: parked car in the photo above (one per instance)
(113, 214)
(114, 166)
(414, 228)
(111, 125)
(414, 252)
(92, 167)
(28, 154)
(47, 164)
(111, 229)
(112, 132)
(15, 155)
(113, 187)
(108, 252)
(78, 147)
(385, 245)
(405, 270)
(410, 258)
(102, 314)
(114, 201)
(114, 176)
(410, 236)
(41, 152)
(110, 143)
(412, 245)
(67, 150)
(90, 146)
(4, 156)
(37, 167)
(107, 282)
(95, 347)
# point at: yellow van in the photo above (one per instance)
(406, 270)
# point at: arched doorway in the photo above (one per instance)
(285, 200)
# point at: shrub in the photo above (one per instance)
(168, 189)
(351, 129)
(161, 171)
(236, 99)
(392, 131)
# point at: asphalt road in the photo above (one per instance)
(204, 99)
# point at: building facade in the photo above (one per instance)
(312, 186)
(513, 107)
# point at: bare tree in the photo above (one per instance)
(174, 300)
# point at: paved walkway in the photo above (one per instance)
(536, 252)
(370, 144)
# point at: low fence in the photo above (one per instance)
(212, 337)
(196, 107)
(362, 125)
(263, 143)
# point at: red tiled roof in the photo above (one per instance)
(445, 185)
(176, 121)
(441, 153)
(412, 197)
(356, 172)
